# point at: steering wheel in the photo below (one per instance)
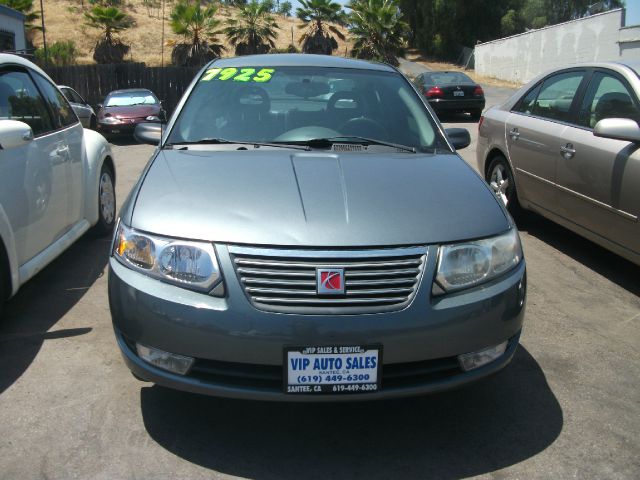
(363, 127)
(336, 97)
(249, 90)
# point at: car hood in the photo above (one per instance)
(131, 112)
(312, 199)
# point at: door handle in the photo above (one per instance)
(568, 151)
(514, 134)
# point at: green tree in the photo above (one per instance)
(112, 21)
(317, 17)
(61, 54)
(200, 28)
(253, 31)
(285, 9)
(378, 30)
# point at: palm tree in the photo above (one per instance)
(316, 16)
(254, 31)
(111, 20)
(378, 29)
(199, 27)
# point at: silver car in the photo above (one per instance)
(286, 245)
(567, 146)
(83, 110)
(56, 179)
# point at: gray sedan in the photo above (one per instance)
(567, 146)
(286, 244)
(83, 110)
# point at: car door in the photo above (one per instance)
(599, 177)
(71, 134)
(32, 177)
(533, 129)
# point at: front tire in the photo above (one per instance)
(106, 203)
(500, 178)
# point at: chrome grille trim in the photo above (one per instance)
(284, 280)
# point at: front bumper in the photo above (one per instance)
(239, 349)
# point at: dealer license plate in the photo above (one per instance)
(458, 93)
(333, 369)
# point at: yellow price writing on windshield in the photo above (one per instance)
(238, 74)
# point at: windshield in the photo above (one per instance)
(126, 99)
(298, 104)
(447, 78)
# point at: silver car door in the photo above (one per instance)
(72, 133)
(599, 178)
(533, 129)
(33, 176)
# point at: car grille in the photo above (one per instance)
(285, 281)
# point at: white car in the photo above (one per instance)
(56, 178)
(83, 110)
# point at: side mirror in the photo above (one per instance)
(618, 129)
(150, 133)
(14, 134)
(459, 137)
(99, 106)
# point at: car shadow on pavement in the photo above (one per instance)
(611, 266)
(484, 427)
(456, 118)
(43, 301)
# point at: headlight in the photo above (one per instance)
(463, 265)
(184, 263)
(153, 118)
(110, 120)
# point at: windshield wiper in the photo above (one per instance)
(353, 139)
(224, 141)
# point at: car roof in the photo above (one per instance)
(10, 59)
(301, 60)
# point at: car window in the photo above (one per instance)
(63, 114)
(20, 100)
(72, 96)
(527, 103)
(299, 103)
(556, 96)
(607, 97)
(129, 99)
(447, 78)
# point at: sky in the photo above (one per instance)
(633, 10)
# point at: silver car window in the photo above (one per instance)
(20, 100)
(556, 96)
(607, 97)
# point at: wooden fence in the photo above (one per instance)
(94, 82)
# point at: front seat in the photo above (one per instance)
(614, 105)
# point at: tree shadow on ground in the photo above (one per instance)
(484, 427)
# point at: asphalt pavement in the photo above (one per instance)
(567, 407)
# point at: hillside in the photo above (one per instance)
(64, 20)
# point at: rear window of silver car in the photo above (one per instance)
(282, 104)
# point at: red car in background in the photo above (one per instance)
(122, 110)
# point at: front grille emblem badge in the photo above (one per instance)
(330, 281)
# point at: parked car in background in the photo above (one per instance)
(451, 92)
(122, 110)
(567, 146)
(286, 246)
(56, 178)
(83, 110)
